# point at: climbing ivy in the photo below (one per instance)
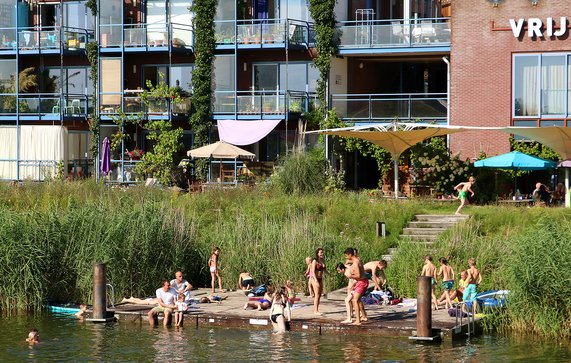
(92, 5)
(205, 44)
(92, 49)
(323, 13)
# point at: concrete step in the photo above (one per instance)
(440, 217)
(418, 237)
(427, 224)
(422, 231)
(387, 258)
(391, 251)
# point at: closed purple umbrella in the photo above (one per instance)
(105, 157)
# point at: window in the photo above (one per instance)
(75, 81)
(300, 76)
(541, 86)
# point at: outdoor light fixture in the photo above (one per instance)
(495, 3)
(534, 2)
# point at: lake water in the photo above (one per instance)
(65, 339)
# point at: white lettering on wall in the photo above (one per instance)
(517, 26)
(535, 27)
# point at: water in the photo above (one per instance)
(65, 339)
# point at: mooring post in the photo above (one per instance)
(423, 307)
(99, 291)
(381, 229)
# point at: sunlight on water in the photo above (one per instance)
(64, 339)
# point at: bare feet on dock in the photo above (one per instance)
(364, 319)
(356, 323)
(246, 306)
(347, 321)
(317, 313)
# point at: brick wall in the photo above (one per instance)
(481, 70)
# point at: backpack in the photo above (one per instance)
(260, 290)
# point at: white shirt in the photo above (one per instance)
(167, 297)
(183, 284)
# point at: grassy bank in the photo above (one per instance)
(51, 234)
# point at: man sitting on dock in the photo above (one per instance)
(166, 297)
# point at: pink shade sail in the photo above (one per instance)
(245, 132)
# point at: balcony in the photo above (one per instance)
(261, 104)
(43, 107)
(395, 36)
(36, 40)
(132, 104)
(145, 37)
(266, 33)
(428, 107)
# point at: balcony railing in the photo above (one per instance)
(262, 102)
(395, 33)
(44, 38)
(264, 32)
(379, 107)
(146, 35)
(133, 104)
(44, 105)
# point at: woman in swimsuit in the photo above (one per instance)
(316, 278)
(214, 272)
(262, 304)
(279, 306)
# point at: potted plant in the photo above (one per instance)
(135, 154)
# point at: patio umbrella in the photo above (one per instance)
(515, 160)
(105, 157)
(221, 150)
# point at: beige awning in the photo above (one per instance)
(556, 137)
(220, 150)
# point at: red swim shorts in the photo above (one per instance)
(360, 287)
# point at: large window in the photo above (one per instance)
(75, 81)
(177, 75)
(293, 76)
(541, 85)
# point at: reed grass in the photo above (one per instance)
(51, 234)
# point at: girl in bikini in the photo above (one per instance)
(214, 272)
(280, 309)
(316, 278)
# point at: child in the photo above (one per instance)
(429, 270)
(307, 275)
(447, 280)
(212, 299)
(81, 312)
(246, 281)
(474, 278)
(214, 271)
(462, 189)
(181, 307)
(33, 336)
(280, 308)
(290, 293)
(262, 304)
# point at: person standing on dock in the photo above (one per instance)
(356, 271)
(429, 270)
(447, 273)
(316, 278)
(181, 286)
(214, 271)
(166, 297)
(371, 269)
(474, 278)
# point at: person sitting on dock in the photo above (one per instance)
(371, 269)
(245, 281)
(181, 308)
(456, 293)
(166, 296)
(181, 286)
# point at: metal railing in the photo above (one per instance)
(43, 105)
(470, 316)
(146, 35)
(44, 38)
(394, 33)
(262, 102)
(408, 106)
(264, 31)
(132, 104)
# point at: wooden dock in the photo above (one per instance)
(383, 320)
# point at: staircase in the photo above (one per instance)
(425, 229)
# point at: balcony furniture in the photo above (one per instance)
(55, 108)
(398, 31)
(75, 107)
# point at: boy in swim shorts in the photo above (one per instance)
(463, 189)
(447, 280)
(356, 271)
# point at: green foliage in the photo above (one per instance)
(323, 13)
(435, 167)
(92, 49)
(160, 161)
(534, 148)
(121, 119)
(205, 44)
(92, 5)
(301, 173)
